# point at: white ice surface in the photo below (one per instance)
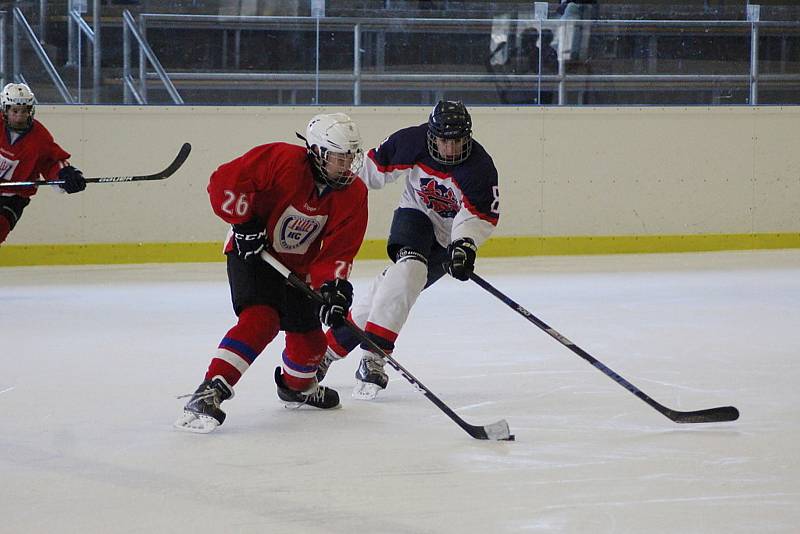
(93, 357)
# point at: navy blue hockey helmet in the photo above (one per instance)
(449, 133)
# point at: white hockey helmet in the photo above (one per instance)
(17, 94)
(338, 156)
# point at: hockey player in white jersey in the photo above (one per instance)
(449, 206)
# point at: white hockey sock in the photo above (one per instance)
(359, 311)
(397, 292)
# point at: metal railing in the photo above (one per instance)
(3, 48)
(357, 77)
(93, 36)
(751, 78)
(21, 26)
(753, 15)
(145, 54)
(558, 81)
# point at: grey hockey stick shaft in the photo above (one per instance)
(183, 153)
(495, 431)
(710, 415)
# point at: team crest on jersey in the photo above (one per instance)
(438, 197)
(7, 167)
(295, 231)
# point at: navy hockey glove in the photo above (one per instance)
(249, 239)
(461, 253)
(338, 296)
(74, 181)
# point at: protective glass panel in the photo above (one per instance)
(658, 63)
(778, 63)
(370, 52)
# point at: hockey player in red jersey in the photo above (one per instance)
(27, 153)
(307, 206)
(448, 207)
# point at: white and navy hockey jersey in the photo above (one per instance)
(461, 200)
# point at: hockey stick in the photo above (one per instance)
(496, 431)
(183, 153)
(711, 415)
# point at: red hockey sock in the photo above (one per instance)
(257, 326)
(341, 341)
(301, 357)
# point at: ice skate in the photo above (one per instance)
(370, 377)
(316, 396)
(325, 364)
(202, 414)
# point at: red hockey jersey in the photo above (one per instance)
(32, 156)
(315, 234)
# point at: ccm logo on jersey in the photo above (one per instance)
(295, 231)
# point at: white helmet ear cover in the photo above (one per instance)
(334, 133)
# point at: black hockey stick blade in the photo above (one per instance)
(183, 153)
(711, 415)
(498, 431)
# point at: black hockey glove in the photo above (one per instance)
(74, 182)
(249, 239)
(462, 258)
(338, 296)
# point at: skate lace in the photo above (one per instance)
(199, 396)
(374, 365)
(325, 363)
(318, 395)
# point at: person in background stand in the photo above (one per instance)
(27, 153)
(449, 206)
(307, 206)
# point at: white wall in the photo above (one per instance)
(563, 171)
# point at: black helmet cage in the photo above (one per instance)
(449, 121)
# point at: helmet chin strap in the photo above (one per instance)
(319, 179)
(319, 161)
